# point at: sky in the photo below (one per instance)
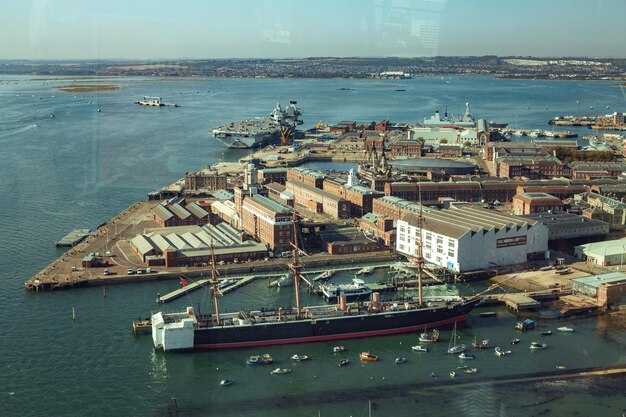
(205, 29)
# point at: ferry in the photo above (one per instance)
(357, 290)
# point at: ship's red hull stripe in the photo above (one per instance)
(328, 337)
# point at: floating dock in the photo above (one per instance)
(74, 237)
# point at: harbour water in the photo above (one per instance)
(79, 168)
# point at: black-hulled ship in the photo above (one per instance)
(188, 331)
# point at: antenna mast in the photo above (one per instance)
(295, 265)
(216, 290)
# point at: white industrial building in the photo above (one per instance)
(465, 238)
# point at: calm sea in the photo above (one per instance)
(81, 167)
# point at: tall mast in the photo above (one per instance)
(295, 265)
(214, 282)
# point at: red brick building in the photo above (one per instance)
(346, 241)
(319, 201)
(267, 221)
(529, 203)
(179, 214)
(405, 148)
(307, 176)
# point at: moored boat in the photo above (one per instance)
(265, 359)
(514, 341)
(299, 358)
(565, 329)
(470, 371)
(399, 360)
(484, 344)
(546, 333)
(501, 352)
(368, 357)
(226, 382)
(525, 325)
(419, 348)
(278, 371)
(453, 347)
(466, 356)
(344, 362)
(452, 374)
(338, 349)
(425, 337)
(538, 345)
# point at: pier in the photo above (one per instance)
(74, 237)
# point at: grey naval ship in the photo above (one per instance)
(465, 120)
(259, 131)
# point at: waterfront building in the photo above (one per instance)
(319, 201)
(607, 253)
(267, 221)
(528, 203)
(205, 180)
(465, 238)
(347, 240)
(191, 246)
(609, 288)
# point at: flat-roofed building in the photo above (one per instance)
(227, 211)
(267, 221)
(528, 203)
(589, 170)
(529, 167)
(589, 285)
(465, 238)
(205, 180)
(360, 197)
(269, 175)
(394, 207)
(319, 201)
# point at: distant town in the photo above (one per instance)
(575, 68)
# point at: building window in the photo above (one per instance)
(451, 254)
(400, 246)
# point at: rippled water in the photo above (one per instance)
(82, 167)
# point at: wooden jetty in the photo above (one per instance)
(74, 237)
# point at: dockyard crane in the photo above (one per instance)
(285, 133)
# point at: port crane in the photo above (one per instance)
(285, 133)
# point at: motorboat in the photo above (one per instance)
(280, 371)
(515, 341)
(425, 337)
(484, 344)
(565, 329)
(259, 360)
(338, 349)
(464, 355)
(226, 382)
(452, 374)
(470, 371)
(501, 352)
(525, 325)
(433, 375)
(344, 362)
(399, 360)
(419, 348)
(299, 358)
(368, 357)
(546, 333)
(538, 345)
(460, 368)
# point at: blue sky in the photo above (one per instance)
(153, 29)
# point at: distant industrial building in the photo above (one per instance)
(191, 246)
(608, 289)
(464, 239)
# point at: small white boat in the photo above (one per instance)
(501, 352)
(565, 329)
(344, 362)
(365, 271)
(299, 358)
(470, 371)
(419, 348)
(280, 371)
(452, 374)
(452, 346)
(515, 341)
(226, 382)
(338, 349)
(425, 337)
(465, 356)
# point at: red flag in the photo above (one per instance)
(183, 281)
